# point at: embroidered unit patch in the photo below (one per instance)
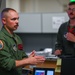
(1, 44)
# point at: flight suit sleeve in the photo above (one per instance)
(6, 60)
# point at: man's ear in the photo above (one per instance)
(3, 20)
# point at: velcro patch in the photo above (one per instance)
(1, 44)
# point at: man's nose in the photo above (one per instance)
(17, 20)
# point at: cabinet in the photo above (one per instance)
(41, 22)
(29, 23)
(52, 21)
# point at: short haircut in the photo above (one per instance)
(6, 10)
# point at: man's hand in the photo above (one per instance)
(35, 60)
(70, 37)
(58, 52)
(32, 54)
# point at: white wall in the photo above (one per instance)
(37, 5)
(13, 4)
(41, 6)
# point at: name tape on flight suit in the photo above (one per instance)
(1, 44)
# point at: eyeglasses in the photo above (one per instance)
(69, 9)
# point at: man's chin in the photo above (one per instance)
(15, 29)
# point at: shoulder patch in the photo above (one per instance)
(1, 44)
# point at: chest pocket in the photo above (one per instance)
(17, 48)
(17, 44)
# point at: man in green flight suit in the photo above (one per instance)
(12, 56)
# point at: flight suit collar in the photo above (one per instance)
(6, 32)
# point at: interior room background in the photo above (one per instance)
(37, 18)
